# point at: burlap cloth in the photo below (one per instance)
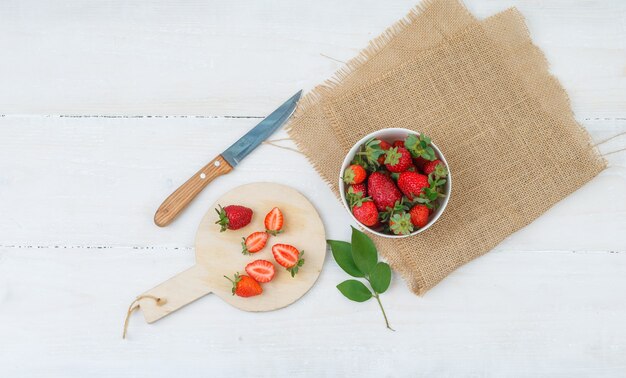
(483, 92)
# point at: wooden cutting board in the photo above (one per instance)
(219, 254)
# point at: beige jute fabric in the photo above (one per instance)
(483, 92)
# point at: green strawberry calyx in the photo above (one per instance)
(419, 146)
(223, 220)
(356, 198)
(398, 207)
(392, 156)
(348, 176)
(234, 282)
(433, 192)
(400, 224)
(294, 269)
(244, 247)
(368, 154)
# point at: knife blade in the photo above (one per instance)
(224, 163)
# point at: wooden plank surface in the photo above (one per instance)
(107, 106)
(241, 58)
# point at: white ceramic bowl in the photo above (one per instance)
(390, 135)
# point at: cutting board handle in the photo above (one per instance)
(175, 293)
(177, 201)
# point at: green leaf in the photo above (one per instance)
(354, 290)
(363, 251)
(342, 252)
(429, 154)
(380, 278)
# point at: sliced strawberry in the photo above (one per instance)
(254, 242)
(288, 256)
(245, 286)
(274, 221)
(261, 270)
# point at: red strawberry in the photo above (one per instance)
(261, 270)
(398, 143)
(398, 159)
(245, 286)
(377, 226)
(419, 215)
(254, 242)
(354, 174)
(233, 217)
(412, 184)
(274, 221)
(383, 190)
(366, 212)
(431, 166)
(288, 256)
(419, 162)
(383, 146)
(359, 190)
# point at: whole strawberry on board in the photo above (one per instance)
(274, 222)
(245, 286)
(289, 257)
(254, 242)
(233, 217)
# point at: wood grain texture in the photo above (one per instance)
(237, 58)
(105, 108)
(182, 197)
(509, 313)
(218, 254)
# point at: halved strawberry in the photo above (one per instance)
(254, 242)
(274, 221)
(288, 256)
(245, 286)
(261, 270)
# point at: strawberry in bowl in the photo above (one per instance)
(395, 182)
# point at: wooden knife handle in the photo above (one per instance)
(177, 201)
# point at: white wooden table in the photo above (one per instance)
(107, 106)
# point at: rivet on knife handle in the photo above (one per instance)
(177, 201)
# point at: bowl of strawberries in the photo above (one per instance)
(395, 182)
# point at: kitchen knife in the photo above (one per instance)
(223, 163)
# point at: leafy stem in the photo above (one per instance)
(360, 259)
(377, 296)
